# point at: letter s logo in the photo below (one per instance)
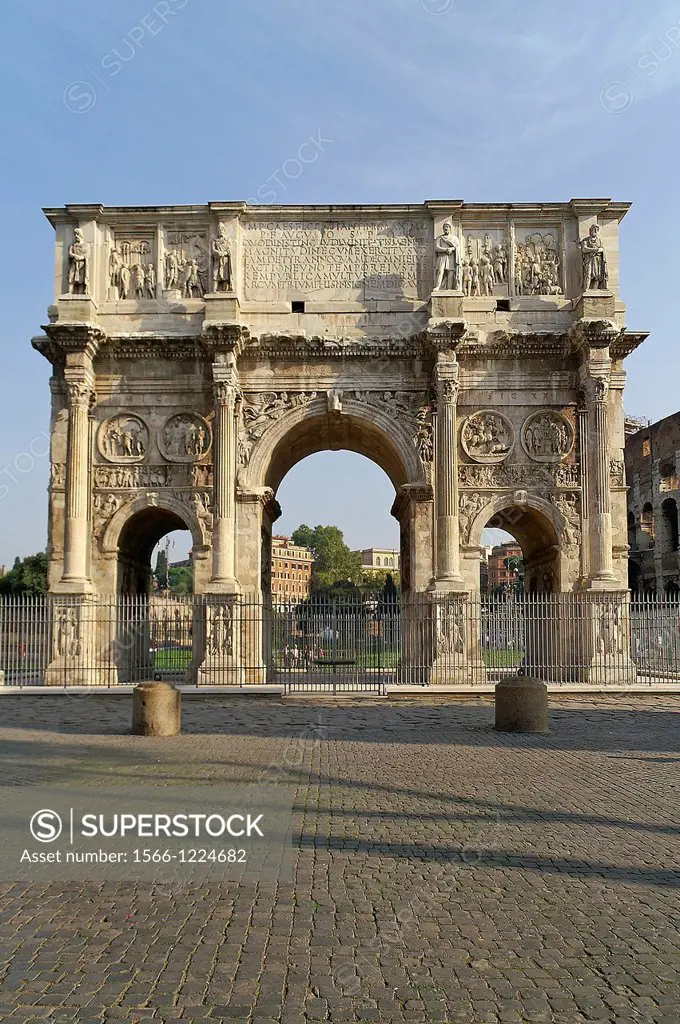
(46, 826)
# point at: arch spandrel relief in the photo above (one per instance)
(185, 437)
(547, 436)
(487, 437)
(123, 438)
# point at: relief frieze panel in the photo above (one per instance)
(147, 476)
(547, 436)
(487, 436)
(538, 266)
(259, 411)
(485, 264)
(512, 475)
(185, 437)
(123, 438)
(132, 266)
(186, 263)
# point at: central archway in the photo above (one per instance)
(332, 423)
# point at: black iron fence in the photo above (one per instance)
(339, 644)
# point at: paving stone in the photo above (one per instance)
(442, 871)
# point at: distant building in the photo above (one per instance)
(380, 560)
(186, 563)
(652, 457)
(291, 568)
(484, 554)
(500, 576)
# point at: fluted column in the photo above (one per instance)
(224, 508)
(448, 553)
(76, 525)
(582, 415)
(601, 563)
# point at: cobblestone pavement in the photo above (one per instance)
(443, 872)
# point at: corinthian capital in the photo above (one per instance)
(224, 392)
(597, 388)
(447, 383)
(80, 392)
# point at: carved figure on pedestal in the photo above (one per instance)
(115, 263)
(221, 262)
(78, 264)
(500, 263)
(447, 260)
(609, 631)
(595, 272)
(171, 269)
(220, 638)
(450, 630)
(68, 633)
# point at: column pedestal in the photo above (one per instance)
(217, 645)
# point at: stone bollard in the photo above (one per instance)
(521, 705)
(156, 710)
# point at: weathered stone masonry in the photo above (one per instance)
(473, 351)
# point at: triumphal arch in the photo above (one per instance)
(473, 351)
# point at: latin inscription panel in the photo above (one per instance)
(351, 260)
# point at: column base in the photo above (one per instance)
(217, 643)
(221, 307)
(229, 587)
(602, 584)
(452, 585)
(75, 585)
(456, 638)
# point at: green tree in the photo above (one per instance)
(378, 581)
(181, 579)
(161, 570)
(334, 563)
(27, 576)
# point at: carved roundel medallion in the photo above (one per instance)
(185, 437)
(547, 436)
(123, 438)
(487, 436)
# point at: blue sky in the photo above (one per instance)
(188, 101)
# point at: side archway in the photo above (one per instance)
(132, 533)
(542, 532)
